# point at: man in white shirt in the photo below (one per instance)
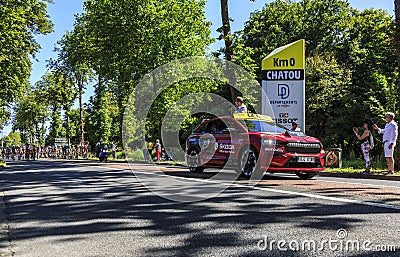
(241, 108)
(295, 126)
(389, 138)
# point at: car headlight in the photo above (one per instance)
(268, 141)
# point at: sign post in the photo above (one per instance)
(60, 141)
(283, 81)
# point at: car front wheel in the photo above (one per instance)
(193, 160)
(248, 162)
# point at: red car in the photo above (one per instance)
(250, 142)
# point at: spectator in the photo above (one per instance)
(389, 139)
(367, 143)
(158, 147)
(241, 108)
(295, 126)
(149, 146)
(114, 150)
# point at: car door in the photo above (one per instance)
(207, 143)
(210, 142)
(228, 141)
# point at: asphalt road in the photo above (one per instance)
(72, 209)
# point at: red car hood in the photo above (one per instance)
(295, 139)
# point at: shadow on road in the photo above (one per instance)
(55, 199)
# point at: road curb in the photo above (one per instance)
(359, 175)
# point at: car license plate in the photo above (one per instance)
(306, 159)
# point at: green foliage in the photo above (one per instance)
(167, 102)
(30, 117)
(121, 41)
(351, 62)
(350, 70)
(74, 126)
(57, 92)
(101, 112)
(55, 88)
(127, 39)
(327, 96)
(20, 21)
(13, 138)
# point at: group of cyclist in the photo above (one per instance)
(65, 152)
(21, 152)
(34, 152)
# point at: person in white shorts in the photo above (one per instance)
(389, 138)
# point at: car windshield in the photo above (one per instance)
(263, 126)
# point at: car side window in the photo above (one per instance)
(201, 129)
(215, 127)
(231, 125)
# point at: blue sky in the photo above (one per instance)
(62, 14)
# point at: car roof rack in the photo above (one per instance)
(252, 116)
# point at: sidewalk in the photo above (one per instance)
(379, 176)
(5, 245)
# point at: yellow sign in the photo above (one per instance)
(283, 81)
(288, 57)
(252, 116)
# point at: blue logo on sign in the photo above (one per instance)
(283, 91)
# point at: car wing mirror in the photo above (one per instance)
(229, 131)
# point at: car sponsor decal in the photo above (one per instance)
(192, 140)
(226, 148)
(273, 150)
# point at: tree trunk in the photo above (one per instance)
(68, 129)
(397, 44)
(226, 29)
(81, 123)
(227, 33)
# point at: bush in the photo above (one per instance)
(136, 155)
(353, 162)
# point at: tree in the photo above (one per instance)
(227, 91)
(74, 125)
(397, 46)
(341, 41)
(226, 30)
(56, 90)
(20, 21)
(100, 116)
(13, 138)
(327, 100)
(74, 61)
(30, 117)
(126, 39)
(320, 23)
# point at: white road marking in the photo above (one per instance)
(280, 191)
(336, 180)
(357, 183)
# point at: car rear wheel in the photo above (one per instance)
(306, 175)
(193, 161)
(248, 162)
